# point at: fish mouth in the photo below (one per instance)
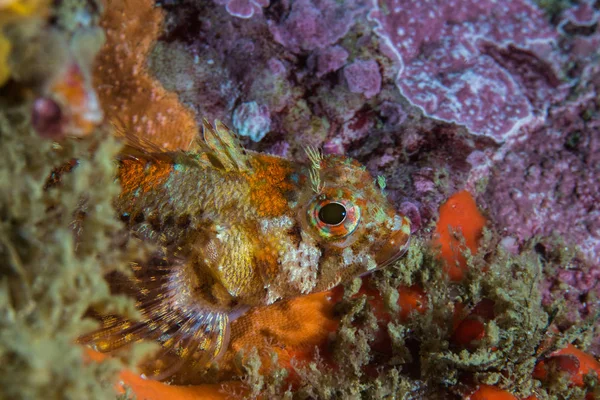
(394, 248)
(393, 258)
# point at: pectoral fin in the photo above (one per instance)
(189, 331)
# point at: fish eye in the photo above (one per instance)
(334, 217)
(332, 213)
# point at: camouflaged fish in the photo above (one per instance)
(238, 229)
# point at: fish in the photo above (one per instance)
(236, 229)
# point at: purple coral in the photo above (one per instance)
(331, 59)
(576, 287)
(393, 113)
(548, 183)
(243, 8)
(363, 77)
(583, 14)
(316, 24)
(476, 63)
(276, 66)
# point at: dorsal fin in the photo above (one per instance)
(221, 144)
(217, 146)
(131, 141)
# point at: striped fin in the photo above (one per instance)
(188, 332)
(222, 146)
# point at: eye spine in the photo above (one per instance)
(315, 156)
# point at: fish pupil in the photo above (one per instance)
(332, 214)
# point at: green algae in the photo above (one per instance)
(57, 236)
(422, 361)
(51, 273)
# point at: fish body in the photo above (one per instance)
(238, 229)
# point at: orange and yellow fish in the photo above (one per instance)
(238, 229)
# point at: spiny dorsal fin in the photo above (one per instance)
(222, 144)
(132, 141)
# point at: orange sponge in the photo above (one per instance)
(486, 392)
(459, 214)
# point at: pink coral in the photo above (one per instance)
(548, 183)
(316, 24)
(331, 59)
(363, 77)
(576, 285)
(477, 63)
(583, 14)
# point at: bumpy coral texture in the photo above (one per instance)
(252, 120)
(315, 24)
(363, 77)
(133, 101)
(549, 182)
(482, 64)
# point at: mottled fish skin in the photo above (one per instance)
(239, 229)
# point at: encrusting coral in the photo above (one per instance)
(133, 100)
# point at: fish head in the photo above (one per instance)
(344, 213)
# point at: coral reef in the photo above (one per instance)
(496, 99)
(252, 120)
(363, 77)
(315, 24)
(552, 169)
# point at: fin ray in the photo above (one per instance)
(222, 144)
(188, 331)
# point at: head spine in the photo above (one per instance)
(316, 157)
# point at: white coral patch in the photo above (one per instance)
(273, 294)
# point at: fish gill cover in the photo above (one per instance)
(500, 99)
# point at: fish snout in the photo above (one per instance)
(395, 246)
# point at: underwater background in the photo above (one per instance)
(481, 117)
